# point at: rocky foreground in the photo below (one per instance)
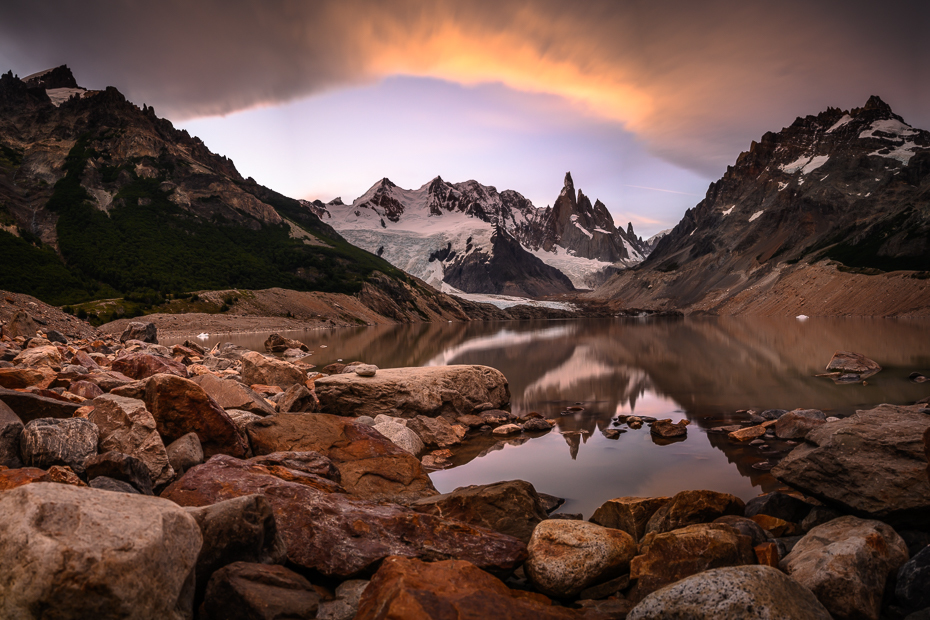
(143, 481)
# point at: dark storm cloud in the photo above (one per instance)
(695, 80)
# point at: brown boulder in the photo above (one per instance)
(674, 555)
(20, 325)
(630, 514)
(127, 427)
(409, 392)
(12, 478)
(48, 355)
(85, 389)
(668, 430)
(856, 363)
(297, 399)
(29, 407)
(248, 591)
(337, 534)
(11, 427)
(847, 563)
(511, 507)
(437, 432)
(107, 380)
(180, 406)
(257, 368)
(19, 378)
(81, 358)
(231, 394)
(278, 344)
(798, 423)
(143, 332)
(690, 507)
(371, 466)
(414, 590)
(144, 365)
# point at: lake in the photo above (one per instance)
(703, 369)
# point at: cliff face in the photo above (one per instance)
(835, 195)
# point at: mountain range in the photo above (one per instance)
(468, 237)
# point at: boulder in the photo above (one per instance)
(19, 378)
(513, 507)
(48, 355)
(28, 406)
(50, 441)
(145, 332)
(437, 432)
(184, 453)
(337, 534)
(242, 419)
(105, 483)
(837, 464)
(121, 467)
(913, 587)
(81, 358)
(666, 429)
(690, 507)
(278, 344)
(241, 529)
(107, 380)
(344, 606)
(630, 514)
(778, 528)
(409, 392)
(85, 389)
(779, 505)
(257, 368)
(20, 325)
(231, 394)
(671, 556)
(297, 399)
(11, 427)
(371, 466)
(565, 557)
(747, 434)
(855, 363)
(414, 590)
(306, 462)
(249, 591)
(180, 406)
(144, 365)
(746, 527)
(400, 435)
(847, 563)
(798, 423)
(85, 553)
(126, 426)
(732, 593)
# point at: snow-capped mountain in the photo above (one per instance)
(471, 238)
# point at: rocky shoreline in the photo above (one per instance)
(138, 480)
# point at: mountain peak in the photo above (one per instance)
(57, 77)
(569, 185)
(875, 103)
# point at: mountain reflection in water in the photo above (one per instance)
(702, 369)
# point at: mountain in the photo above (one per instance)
(825, 209)
(470, 237)
(101, 198)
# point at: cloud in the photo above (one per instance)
(694, 80)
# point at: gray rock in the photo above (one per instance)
(241, 529)
(242, 418)
(732, 593)
(79, 553)
(248, 591)
(853, 363)
(913, 588)
(778, 505)
(366, 370)
(105, 483)
(773, 414)
(536, 425)
(146, 332)
(20, 325)
(11, 427)
(126, 426)
(401, 436)
(846, 563)
(366, 420)
(345, 605)
(120, 467)
(185, 452)
(56, 336)
(798, 423)
(51, 441)
(746, 527)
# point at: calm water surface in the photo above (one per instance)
(704, 370)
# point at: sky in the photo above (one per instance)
(645, 102)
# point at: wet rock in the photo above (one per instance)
(256, 368)
(20, 325)
(690, 507)
(511, 507)
(780, 505)
(668, 557)
(854, 363)
(102, 554)
(50, 441)
(634, 422)
(507, 429)
(19, 378)
(400, 435)
(371, 466)
(137, 330)
(241, 529)
(231, 394)
(798, 423)
(748, 433)
(121, 467)
(144, 365)
(536, 425)
(746, 527)
(278, 344)
(409, 392)
(297, 399)
(366, 370)
(415, 590)
(437, 432)
(437, 459)
(250, 591)
(846, 564)
(665, 428)
(913, 588)
(180, 406)
(630, 514)
(184, 453)
(565, 557)
(732, 593)
(345, 605)
(11, 427)
(838, 461)
(340, 535)
(126, 426)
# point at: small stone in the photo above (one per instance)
(366, 370)
(507, 429)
